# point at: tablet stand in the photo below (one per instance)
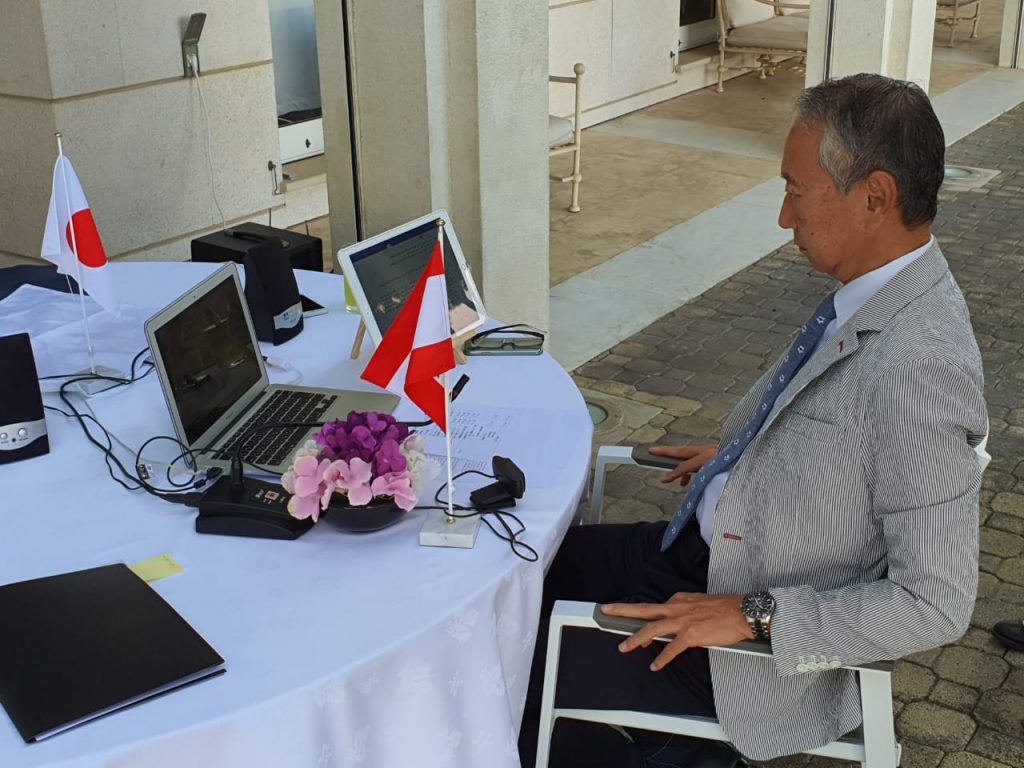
(457, 342)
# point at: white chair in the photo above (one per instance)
(564, 136)
(948, 12)
(873, 745)
(781, 34)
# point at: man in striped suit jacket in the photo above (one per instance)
(847, 529)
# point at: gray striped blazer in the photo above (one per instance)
(857, 507)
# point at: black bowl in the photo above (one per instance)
(374, 516)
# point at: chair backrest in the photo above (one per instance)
(739, 13)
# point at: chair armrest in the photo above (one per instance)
(588, 615)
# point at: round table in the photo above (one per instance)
(341, 649)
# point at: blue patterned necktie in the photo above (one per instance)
(728, 455)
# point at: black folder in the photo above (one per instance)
(79, 645)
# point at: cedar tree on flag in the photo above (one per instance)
(417, 348)
(71, 236)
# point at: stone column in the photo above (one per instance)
(890, 37)
(450, 111)
(1011, 46)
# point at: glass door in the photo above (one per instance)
(296, 79)
(697, 23)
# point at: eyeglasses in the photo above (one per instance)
(506, 340)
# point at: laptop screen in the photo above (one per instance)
(209, 358)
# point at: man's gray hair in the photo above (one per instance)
(874, 123)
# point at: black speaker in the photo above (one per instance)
(272, 293)
(304, 251)
(22, 422)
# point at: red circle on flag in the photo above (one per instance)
(87, 238)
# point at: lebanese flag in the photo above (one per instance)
(417, 348)
(70, 230)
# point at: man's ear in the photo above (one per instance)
(883, 196)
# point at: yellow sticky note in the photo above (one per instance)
(159, 567)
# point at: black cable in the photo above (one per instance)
(511, 536)
(237, 476)
(130, 380)
(456, 391)
(110, 458)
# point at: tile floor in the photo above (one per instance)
(665, 187)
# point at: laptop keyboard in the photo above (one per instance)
(270, 447)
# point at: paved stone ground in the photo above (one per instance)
(960, 706)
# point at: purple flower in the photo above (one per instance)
(388, 458)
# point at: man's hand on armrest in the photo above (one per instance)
(692, 620)
(691, 459)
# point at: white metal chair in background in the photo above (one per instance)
(781, 34)
(948, 12)
(564, 136)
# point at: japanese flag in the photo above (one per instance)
(71, 240)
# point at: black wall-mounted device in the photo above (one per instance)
(22, 421)
(190, 44)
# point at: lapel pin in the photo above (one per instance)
(840, 345)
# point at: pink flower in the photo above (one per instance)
(397, 484)
(369, 455)
(350, 477)
(305, 482)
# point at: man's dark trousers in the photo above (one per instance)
(620, 563)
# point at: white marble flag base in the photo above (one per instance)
(438, 532)
(90, 387)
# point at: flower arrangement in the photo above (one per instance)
(369, 456)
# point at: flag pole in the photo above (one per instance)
(451, 520)
(74, 248)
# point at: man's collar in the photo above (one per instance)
(905, 286)
(856, 293)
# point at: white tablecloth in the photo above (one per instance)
(341, 649)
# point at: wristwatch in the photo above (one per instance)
(758, 608)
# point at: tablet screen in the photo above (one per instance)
(388, 270)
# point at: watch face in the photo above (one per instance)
(758, 605)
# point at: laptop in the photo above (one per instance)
(216, 385)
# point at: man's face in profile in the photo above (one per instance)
(825, 223)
